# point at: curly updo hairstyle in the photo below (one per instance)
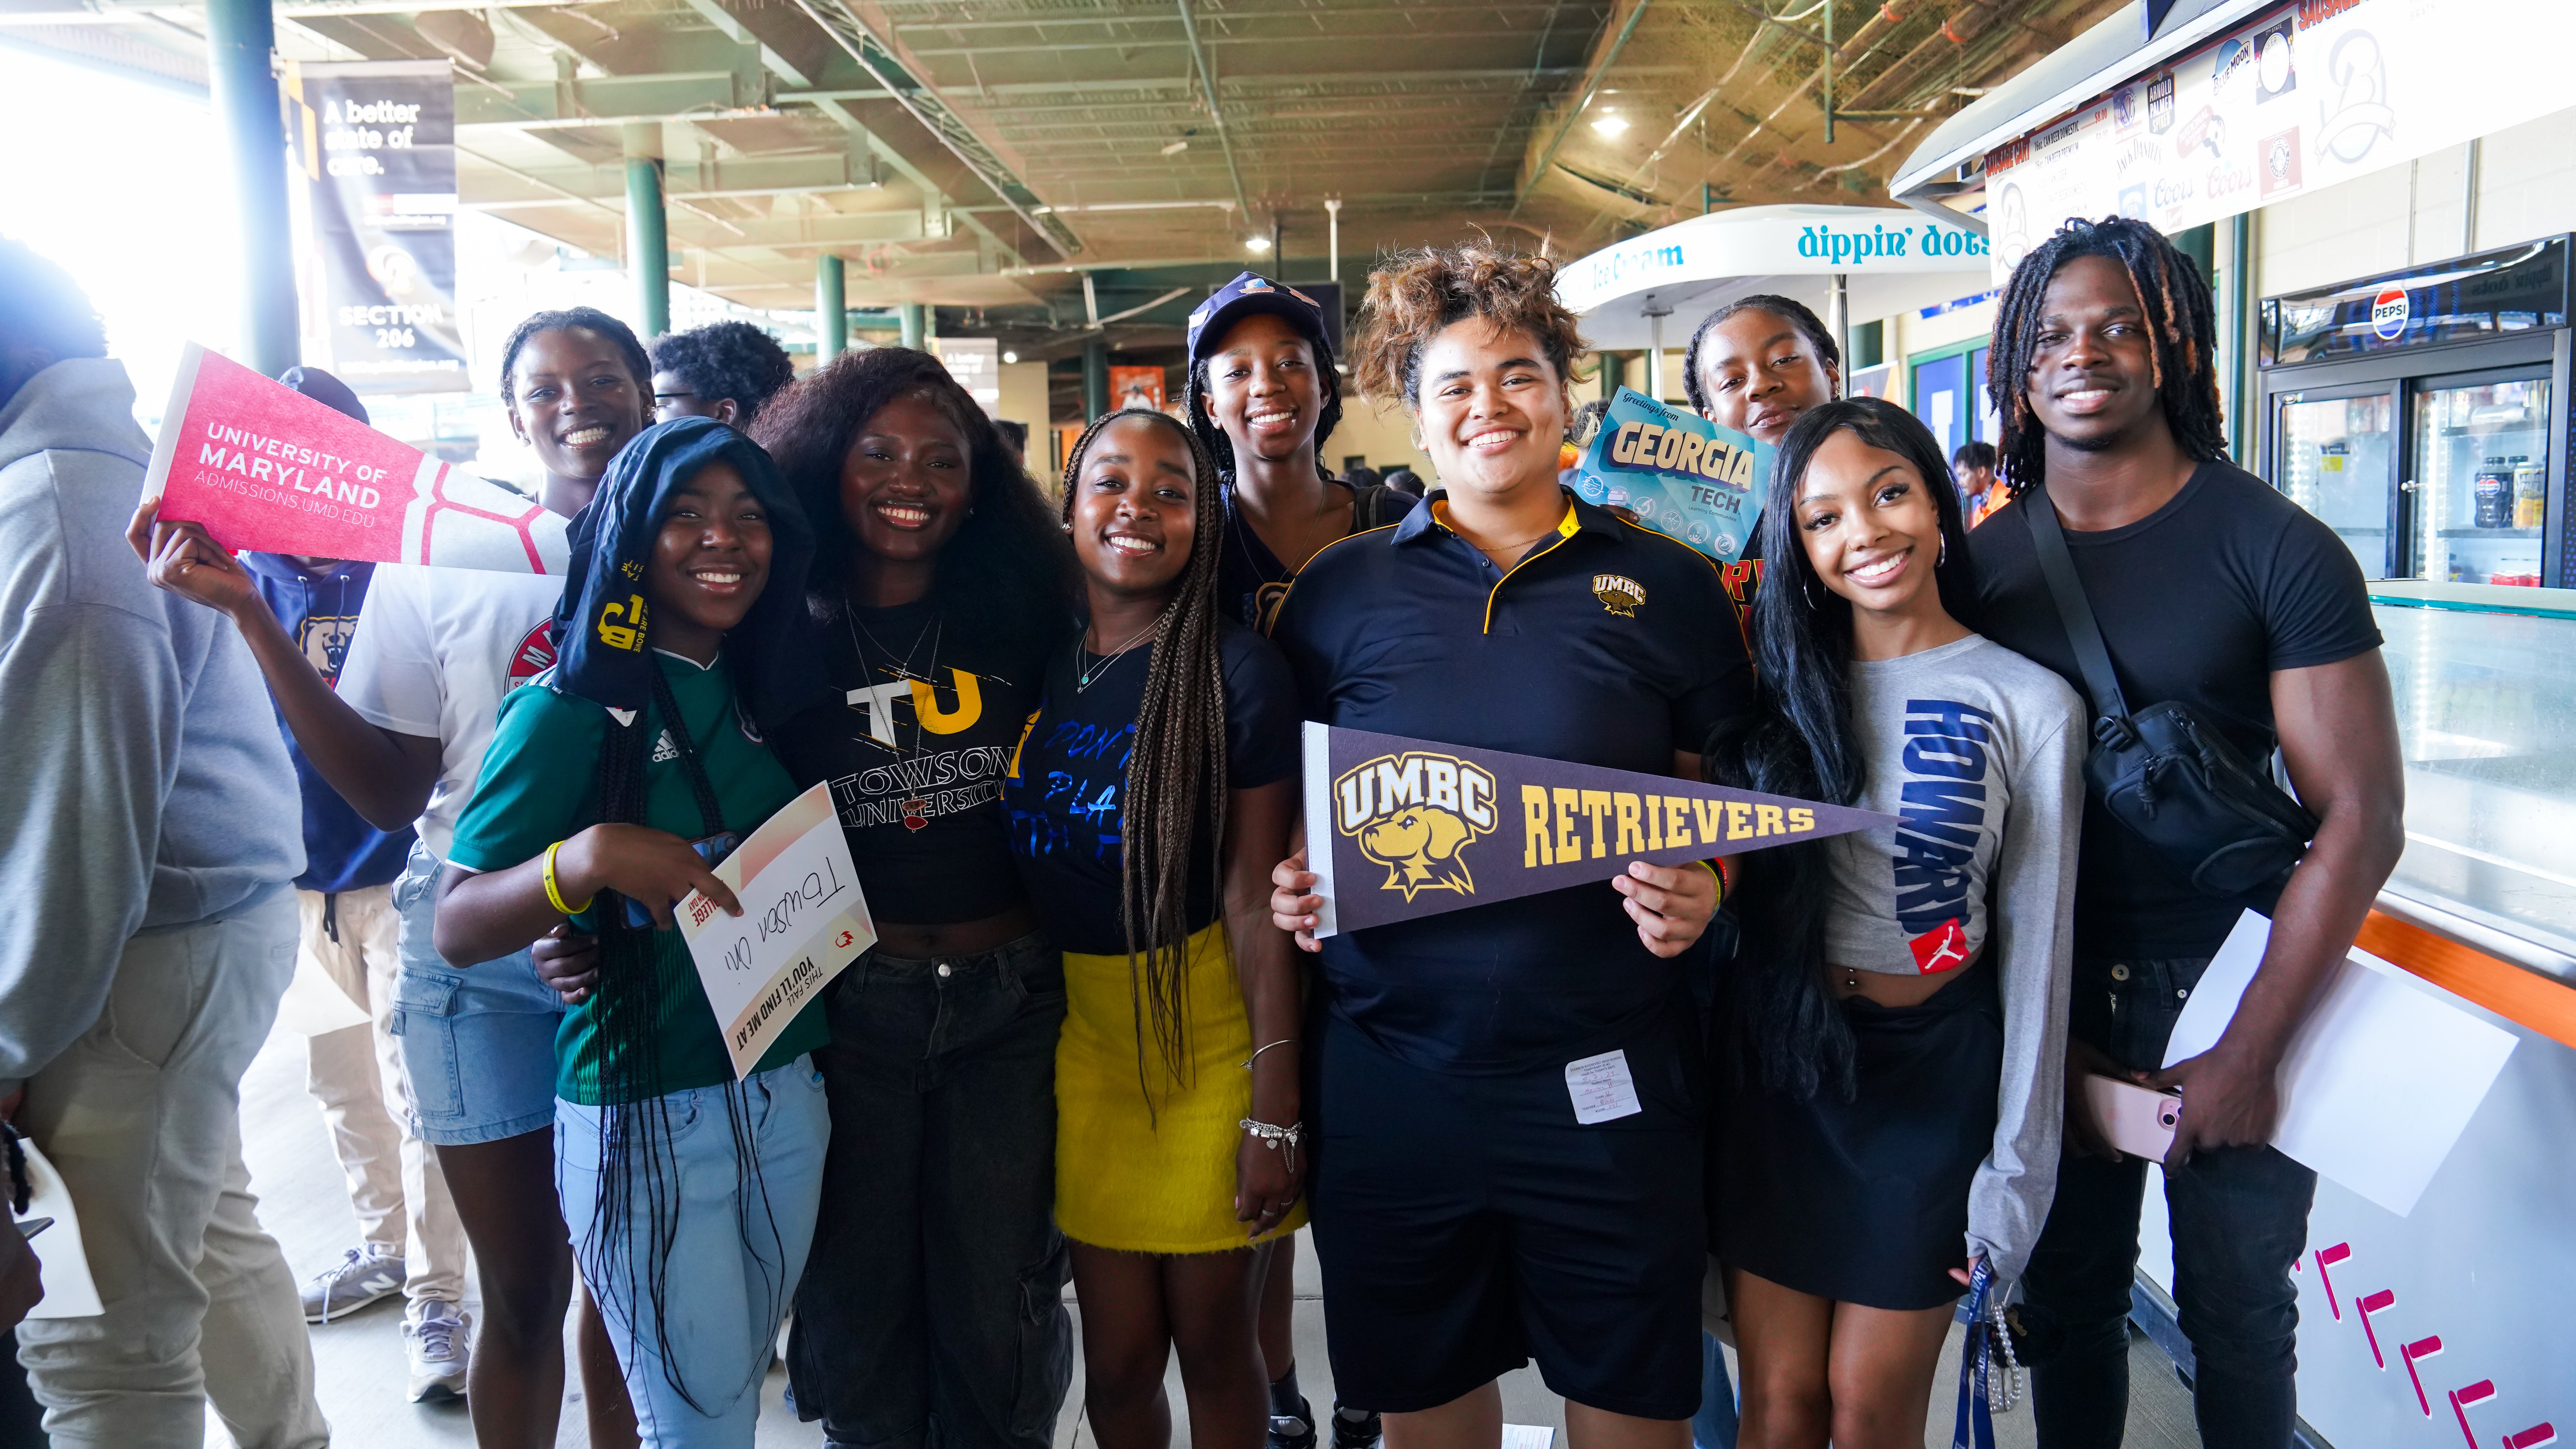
(1417, 293)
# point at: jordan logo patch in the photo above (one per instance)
(1942, 948)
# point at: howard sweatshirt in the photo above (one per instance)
(147, 785)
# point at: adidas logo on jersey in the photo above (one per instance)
(663, 750)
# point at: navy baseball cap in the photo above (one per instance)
(1249, 293)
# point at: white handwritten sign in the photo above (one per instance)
(803, 920)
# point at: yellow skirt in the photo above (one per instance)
(1158, 1181)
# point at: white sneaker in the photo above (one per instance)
(434, 1340)
(362, 1276)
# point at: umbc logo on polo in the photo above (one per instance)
(1416, 814)
(1619, 594)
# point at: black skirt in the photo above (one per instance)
(1863, 1201)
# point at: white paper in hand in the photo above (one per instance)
(2381, 1079)
(1602, 1089)
(804, 919)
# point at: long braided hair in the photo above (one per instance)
(1801, 742)
(1176, 771)
(637, 1199)
(2181, 321)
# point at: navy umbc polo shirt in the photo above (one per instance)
(1607, 645)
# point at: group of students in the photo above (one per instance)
(1062, 742)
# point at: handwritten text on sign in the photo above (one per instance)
(803, 919)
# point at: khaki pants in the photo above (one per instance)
(142, 1115)
(357, 1074)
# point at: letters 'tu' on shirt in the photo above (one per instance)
(1606, 644)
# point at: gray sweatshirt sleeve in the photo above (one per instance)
(90, 699)
(2034, 917)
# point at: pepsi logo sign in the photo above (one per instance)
(2388, 313)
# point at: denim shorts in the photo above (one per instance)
(479, 1043)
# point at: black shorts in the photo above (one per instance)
(1465, 1224)
(1865, 1201)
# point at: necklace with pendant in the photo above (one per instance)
(1083, 678)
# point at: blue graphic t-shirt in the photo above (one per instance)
(1066, 793)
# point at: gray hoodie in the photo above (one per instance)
(146, 785)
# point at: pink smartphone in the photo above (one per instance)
(2134, 1119)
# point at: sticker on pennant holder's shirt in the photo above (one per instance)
(1602, 1089)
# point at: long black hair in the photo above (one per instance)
(1787, 309)
(605, 657)
(2181, 320)
(1006, 574)
(1176, 772)
(1800, 742)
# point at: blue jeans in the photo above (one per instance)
(933, 1313)
(738, 1189)
(1713, 1427)
(479, 1043)
(2240, 1219)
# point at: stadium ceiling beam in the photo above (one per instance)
(926, 105)
(832, 103)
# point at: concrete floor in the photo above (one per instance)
(359, 1360)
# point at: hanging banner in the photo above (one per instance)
(1680, 474)
(266, 469)
(2310, 94)
(1401, 828)
(1136, 387)
(976, 364)
(375, 144)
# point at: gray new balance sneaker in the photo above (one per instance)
(363, 1276)
(434, 1340)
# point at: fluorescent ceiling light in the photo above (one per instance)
(1611, 125)
(1256, 245)
(1176, 148)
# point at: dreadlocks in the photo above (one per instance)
(1176, 772)
(2181, 323)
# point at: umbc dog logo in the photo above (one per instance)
(1618, 593)
(1416, 814)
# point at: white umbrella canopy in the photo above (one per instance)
(1892, 260)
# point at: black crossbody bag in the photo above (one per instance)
(2164, 772)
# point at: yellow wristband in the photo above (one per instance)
(554, 890)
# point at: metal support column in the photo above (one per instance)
(1095, 379)
(915, 328)
(648, 245)
(1655, 313)
(240, 34)
(1333, 225)
(831, 309)
(1838, 317)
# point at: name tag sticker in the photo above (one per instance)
(1602, 1089)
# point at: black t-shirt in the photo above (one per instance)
(2200, 601)
(915, 740)
(1250, 579)
(1606, 645)
(1065, 796)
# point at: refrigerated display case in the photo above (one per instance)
(2423, 415)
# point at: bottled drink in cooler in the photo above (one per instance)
(2492, 491)
(2530, 503)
